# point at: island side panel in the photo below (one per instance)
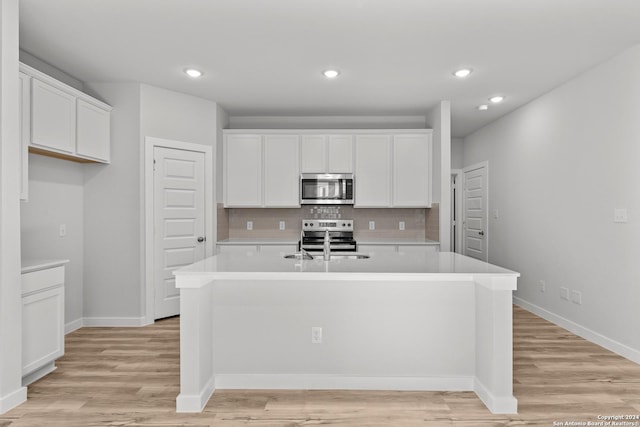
(494, 345)
(375, 334)
(197, 378)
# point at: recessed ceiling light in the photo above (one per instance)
(192, 72)
(463, 72)
(496, 99)
(331, 74)
(483, 107)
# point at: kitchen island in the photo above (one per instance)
(435, 321)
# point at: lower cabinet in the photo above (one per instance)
(42, 322)
(406, 249)
(284, 249)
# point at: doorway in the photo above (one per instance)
(179, 217)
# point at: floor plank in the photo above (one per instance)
(130, 377)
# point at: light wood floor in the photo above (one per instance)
(130, 377)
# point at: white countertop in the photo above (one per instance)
(29, 265)
(254, 265)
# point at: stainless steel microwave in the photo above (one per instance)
(326, 189)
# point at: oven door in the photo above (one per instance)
(326, 189)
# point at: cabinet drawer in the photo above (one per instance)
(39, 280)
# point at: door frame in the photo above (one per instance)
(150, 143)
(478, 165)
(456, 209)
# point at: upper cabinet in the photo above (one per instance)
(65, 122)
(326, 154)
(261, 170)
(393, 170)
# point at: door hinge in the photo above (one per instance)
(154, 164)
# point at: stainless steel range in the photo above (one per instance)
(340, 235)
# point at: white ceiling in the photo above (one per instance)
(265, 57)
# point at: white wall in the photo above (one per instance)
(457, 161)
(558, 167)
(11, 391)
(439, 119)
(327, 122)
(112, 267)
(222, 122)
(56, 190)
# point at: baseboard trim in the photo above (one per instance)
(496, 404)
(339, 382)
(586, 333)
(73, 326)
(114, 321)
(195, 402)
(13, 399)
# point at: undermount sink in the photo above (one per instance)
(342, 255)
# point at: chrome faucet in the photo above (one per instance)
(327, 246)
(303, 254)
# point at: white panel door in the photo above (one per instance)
(281, 171)
(243, 170)
(313, 154)
(411, 171)
(475, 212)
(93, 127)
(340, 154)
(179, 221)
(53, 118)
(373, 171)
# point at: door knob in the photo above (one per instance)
(201, 239)
(481, 233)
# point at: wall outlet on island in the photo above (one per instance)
(249, 225)
(316, 335)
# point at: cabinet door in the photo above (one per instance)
(418, 249)
(313, 154)
(243, 171)
(340, 154)
(53, 118)
(411, 171)
(281, 171)
(93, 131)
(373, 171)
(25, 133)
(374, 250)
(237, 249)
(42, 328)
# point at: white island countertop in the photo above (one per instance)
(388, 266)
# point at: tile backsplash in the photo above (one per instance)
(418, 223)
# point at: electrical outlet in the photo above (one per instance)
(496, 214)
(543, 286)
(316, 335)
(282, 225)
(401, 225)
(564, 293)
(372, 225)
(576, 297)
(249, 225)
(62, 230)
(620, 215)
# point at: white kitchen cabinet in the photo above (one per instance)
(280, 249)
(93, 131)
(393, 170)
(65, 122)
(326, 154)
(412, 170)
(243, 170)
(381, 249)
(42, 321)
(237, 249)
(261, 170)
(373, 171)
(281, 171)
(53, 118)
(25, 133)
